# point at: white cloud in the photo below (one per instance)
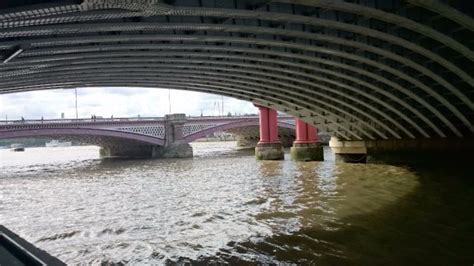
(119, 102)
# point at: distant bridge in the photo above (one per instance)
(124, 134)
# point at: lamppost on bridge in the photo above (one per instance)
(77, 115)
(169, 100)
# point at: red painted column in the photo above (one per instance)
(312, 133)
(269, 146)
(263, 120)
(268, 125)
(273, 125)
(305, 133)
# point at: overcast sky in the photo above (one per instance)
(119, 102)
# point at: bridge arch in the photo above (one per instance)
(85, 135)
(229, 126)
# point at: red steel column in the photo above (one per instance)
(263, 119)
(312, 133)
(268, 125)
(273, 125)
(269, 146)
(305, 133)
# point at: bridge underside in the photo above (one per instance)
(371, 70)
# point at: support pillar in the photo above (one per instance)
(349, 151)
(429, 151)
(306, 147)
(126, 150)
(269, 146)
(174, 145)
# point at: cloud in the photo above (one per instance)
(117, 101)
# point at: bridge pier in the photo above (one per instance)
(175, 146)
(306, 147)
(269, 146)
(127, 151)
(147, 151)
(349, 151)
(408, 151)
(175, 150)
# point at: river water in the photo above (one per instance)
(223, 206)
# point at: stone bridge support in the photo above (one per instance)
(174, 147)
(305, 147)
(127, 150)
(269, 146)
(411, 151)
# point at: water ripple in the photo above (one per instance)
(220, 207)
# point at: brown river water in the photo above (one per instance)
(223, 206)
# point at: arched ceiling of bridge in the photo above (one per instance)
(366, 69)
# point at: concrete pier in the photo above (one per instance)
(413, 151)
(147, 151)
(175, 147)
(307, 152)
(127, 151)
(183, 150)
(349, 151)
(269, 151)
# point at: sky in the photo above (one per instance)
(119, 102)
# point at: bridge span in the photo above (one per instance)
(167, 136)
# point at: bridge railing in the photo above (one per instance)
(78, 120)
(101, 121)
(114, 119)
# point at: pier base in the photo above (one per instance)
(173, 151)
(126, 151)
(349, 151)
(411, 151)
(269, 151)
(307, 152)
(147, 151)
